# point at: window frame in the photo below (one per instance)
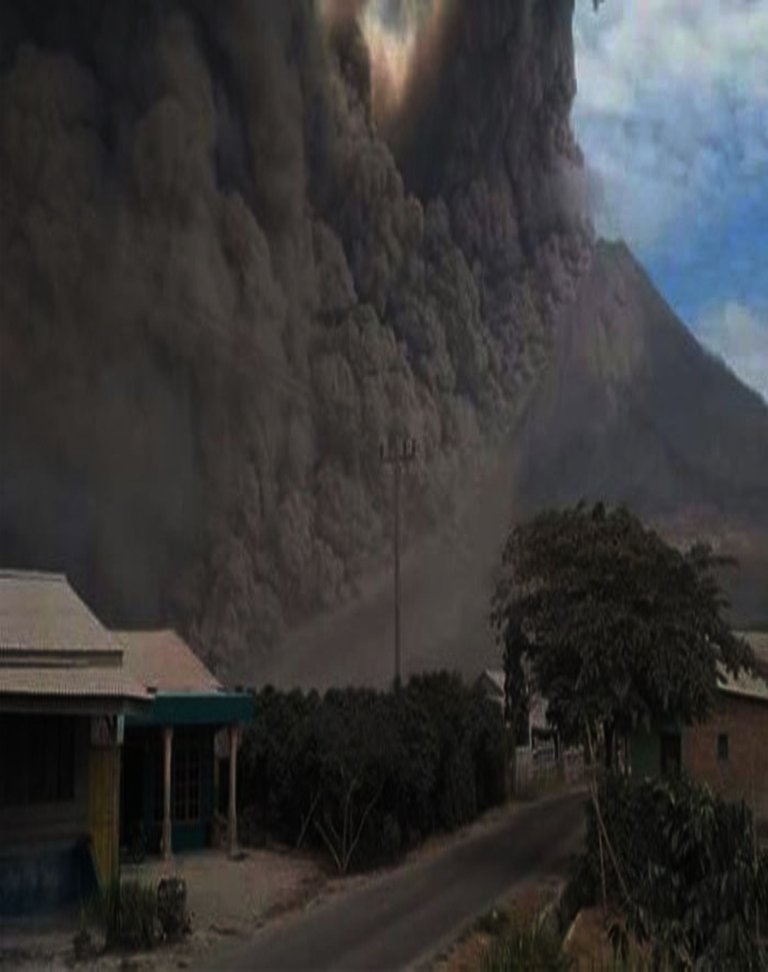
(40, 767)
(723, 748)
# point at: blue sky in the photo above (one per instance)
(672, 114)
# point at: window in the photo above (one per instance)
(670, 754)
(722, 747)
(186, 782)
(37, 760)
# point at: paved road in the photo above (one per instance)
(399, 920)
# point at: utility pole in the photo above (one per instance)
(399, 453)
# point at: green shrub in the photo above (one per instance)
(366, 775)
(172, 907)
(692, 884)
(524, 947)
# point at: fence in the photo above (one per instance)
(535, 768)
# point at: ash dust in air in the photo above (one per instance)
(241, 244)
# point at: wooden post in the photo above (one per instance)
(167, 777)
(234, 738)
(398, 653)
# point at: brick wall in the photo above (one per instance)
(744, 773)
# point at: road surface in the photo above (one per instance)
(399, 920)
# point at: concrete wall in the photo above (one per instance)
(744, 774)
(44, 862)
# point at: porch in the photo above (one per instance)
(170, 779)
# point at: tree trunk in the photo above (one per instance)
(610, 744)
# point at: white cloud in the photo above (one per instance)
(739, 335)
(672, 109)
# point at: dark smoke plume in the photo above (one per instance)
(227, 278)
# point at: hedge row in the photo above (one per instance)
(367, 775)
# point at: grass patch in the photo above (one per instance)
(494, 922)
(526, 945)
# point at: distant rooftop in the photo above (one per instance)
(493, 679)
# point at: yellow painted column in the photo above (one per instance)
(104, 809)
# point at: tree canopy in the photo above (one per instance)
(617, 627)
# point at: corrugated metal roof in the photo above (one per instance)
(42, 613)
(758, 641)
(163, 662)
(744, 684)
(82, 682)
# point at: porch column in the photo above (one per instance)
(234, 739)
(167, 757)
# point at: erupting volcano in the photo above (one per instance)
(243, 244)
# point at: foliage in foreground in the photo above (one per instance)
(134, 915)
(526, 945)
(367, 775)
(127, 913)
(690, 881)
(617, 627)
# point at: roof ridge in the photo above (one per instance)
(22, 574)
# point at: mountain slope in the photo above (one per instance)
(634, 410)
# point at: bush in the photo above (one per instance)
(692, 883)
(172, 907)
(366, 775)
(127, 913)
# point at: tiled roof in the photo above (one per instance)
(82, 682)
(163, 662)
(42, 613)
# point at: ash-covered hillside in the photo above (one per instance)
(633, 410)
(221, 291)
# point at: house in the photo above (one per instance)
(64, 694)
(540, 733)
(169, 767)
(729, 751)
(102, 735)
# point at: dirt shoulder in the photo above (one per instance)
(233, 899)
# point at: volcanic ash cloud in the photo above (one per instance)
(228, 274)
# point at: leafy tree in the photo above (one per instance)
(618, 627)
